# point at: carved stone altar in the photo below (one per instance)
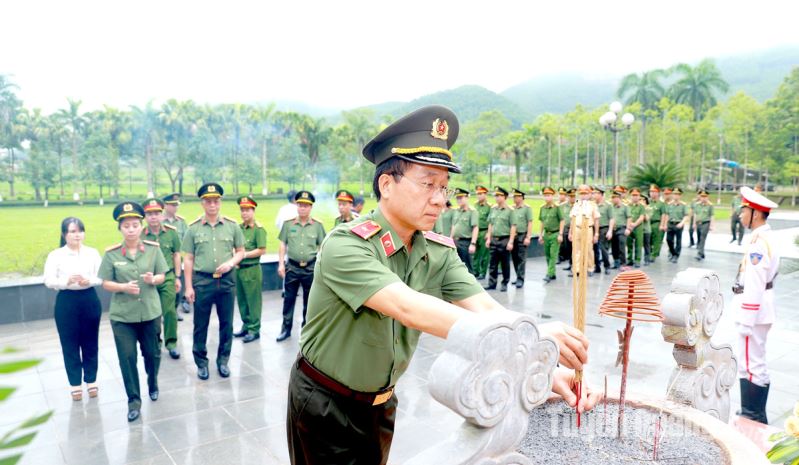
(494, 369)
(705, 372)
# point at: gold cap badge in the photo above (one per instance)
(440, 129)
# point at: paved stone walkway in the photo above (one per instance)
(241, 419)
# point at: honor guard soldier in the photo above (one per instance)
(213, 245)
(249, 278)
(444, 223)
(381, 281)
(655, 220)
(166, 236)
(585, 212)
(465, 228)
(551, 235)
(754, 304)
(635, 241)
(676, 218)
(299, 241)
(171, 217)
(499, 240)
(345, 213)
(483, 210)
(602, 247)
(620, 227)
(131, 272)
(736, 227)
(523, 219)
(702, 214)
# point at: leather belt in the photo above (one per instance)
(247, 265)
(371, 398)
(209, 275)
(302, 264)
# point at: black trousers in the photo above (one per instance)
(77, 318)
(674, 239)
(296, 276)
(462, 246)
(601, 249)
(519, 256)
(618, 246)
(209, 291)
(566, 245)
(648, 246)
(736, 227)
(324, 428)
(499, 255)
(146, 334)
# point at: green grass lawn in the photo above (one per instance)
(28, 234)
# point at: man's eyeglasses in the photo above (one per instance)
(431, 188)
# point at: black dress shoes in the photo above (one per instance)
(202, 373)
(285, 334)
(251, 337)
(503, 288)
(174, 354)
(224, 371)
(490, 288)
(133, 415)
(154, 396)
(240, 333)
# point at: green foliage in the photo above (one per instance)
(21, 435)
(663, 174)
(785, 451)
(698, 86)
(468, 102)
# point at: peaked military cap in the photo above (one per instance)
(635, 190)
(620, 189)
(344, 196)
(571, 192)
(676, 190)
(481, 190)
(755, 200)
(517, 192)
(246, 201)
(210, 189)
(423, 136)
(153, 205)
(654, 188)
(599, 189)
(667, 190)
(548, 190)
(500, 191)
(461, 192)
(304, 197)
(563, 191)
(702, 193)
(172, 199)
(128, 210)
(584, 190)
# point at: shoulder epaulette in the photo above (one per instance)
(153, 243)
(229, 219)
(511, 207)
(683, 203)
(169, 226)
(493, 206)
(195, 221)
(366, 229)
(258, 225)
(180, 217)
(113, 247)
(439, 239)
(472, 209)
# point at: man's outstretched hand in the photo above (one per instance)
(571, 341)
(564, 385)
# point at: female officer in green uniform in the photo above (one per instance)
(131, 270)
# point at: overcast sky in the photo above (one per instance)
(343, 54)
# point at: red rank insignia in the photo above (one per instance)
(366, 229)
(440, 239)
(388, 244)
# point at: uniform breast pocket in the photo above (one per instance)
(124, 272)
(376, 329)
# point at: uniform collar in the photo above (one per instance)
(219, 219)
(150, 231)
(248, 226)
(394, 243)
(125, 250)
(297, 220)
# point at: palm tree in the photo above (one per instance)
(698, 86)
(262, 119)
(76, 124)
(10, 107)
(661, 174)
(646, 90)
(363, 128)
(145, 132)
(313, 134)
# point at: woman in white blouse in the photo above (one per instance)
(72, 271)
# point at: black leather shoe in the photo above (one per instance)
(607, 271)
(174, 354)
(547, 279)
(568, 268)
(185, 307)
(571, 275)
(251, 337)
(490, 288)
(133, 415)
(503, 288)
(481, 277)
(180, 317)
(240, 333)
(519, 284)
(285, 334)
(224, 371)
(202, 373)
(154, 396)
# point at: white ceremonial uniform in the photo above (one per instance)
(582, 209)
(754, 308)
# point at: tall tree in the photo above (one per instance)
(361, 123)
(646, 90)
(145, 126)
(10, 107)
(698, 86)
(75, 123)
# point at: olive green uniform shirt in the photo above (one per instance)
(636, 211)
(605, 213)
(482, 214)
(550, 216)
(736, 205)
(464, 221)
(354, 344)
(703, 212)
(212, 245)
(676, 211)
(620, 214)
(254, 238)
(658, 210)
(341, 219)
(118, 266)
(169, 241)
(565, 210)
(520, 217)
(444, 222)
(500, 220)
(180, 225)
(648, 210)
(302, 241)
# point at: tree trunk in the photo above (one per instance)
(264, 167)
(490, 172)
(746, 157)
(679, 143)
(75, 171)
(702, 167)
(148, 155)
(574, 168)
(549, 162)
(11, 172)
(60, 170)
(560, 160)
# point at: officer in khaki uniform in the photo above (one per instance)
(676, 218)
(703, 221)
(465, 228)
(345, 213)
(213, 245)
(131, 272)
(380, 281)
(499, 239)
(171, 217)
(523, 219)
(483, 210)
(551, 234)
(167, 237)
(249, 278)
(584, 212)
(299, 240)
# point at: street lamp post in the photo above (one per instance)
(610, 121)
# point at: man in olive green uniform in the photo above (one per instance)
(692, 226)
(444, 222)
(345, 213)
(566, 209)
(619, 226)
(380, 281)
(523, 219)
(562, 198)
(214, 246)
(499, 239)
(647, 230)
(551, 234)
(465, 228)
(249, 278)
(676, 217)
(299, 240)
(658, 210)
(601, 254)
(637, 217)
(171, 217)
(736, 227)
(167, 237)
(703, 220)
(482, 254)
